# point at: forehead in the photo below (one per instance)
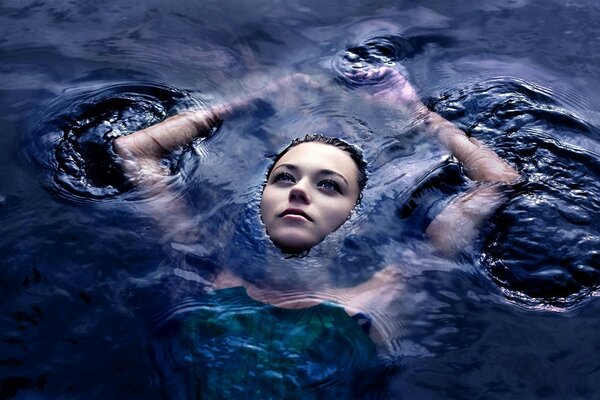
(318, 156)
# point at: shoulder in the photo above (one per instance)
(372, 302)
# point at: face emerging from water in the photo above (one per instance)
(310, 192)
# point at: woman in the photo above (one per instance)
(310, 191)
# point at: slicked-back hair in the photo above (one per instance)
(354, 153)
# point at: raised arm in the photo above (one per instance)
(156, 141)
(141, 154)
(143, 150)
(455, 227)
(479, 161)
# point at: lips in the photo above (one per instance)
(295, 211)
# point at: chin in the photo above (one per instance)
(293, 249)
(291, 244)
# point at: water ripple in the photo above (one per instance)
(543, 247)
(72, 141)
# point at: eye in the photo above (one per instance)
(330, 185)
(283, 177)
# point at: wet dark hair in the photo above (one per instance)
(354, 153)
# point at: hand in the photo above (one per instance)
(265, 86)
(286, 91)
(389, 85)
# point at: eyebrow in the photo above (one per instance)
(321, 171)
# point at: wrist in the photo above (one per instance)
(419, 112)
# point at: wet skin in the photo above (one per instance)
(311, 191)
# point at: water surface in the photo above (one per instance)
(517, 318)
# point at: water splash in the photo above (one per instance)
(542, 246)
(379, 51)
(73, 140)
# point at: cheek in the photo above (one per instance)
(338, 214)
(264, 207)
(267, 202)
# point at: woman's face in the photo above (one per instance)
(309, 193)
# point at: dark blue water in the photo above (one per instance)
(516, 317)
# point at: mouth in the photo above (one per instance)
(295, 212)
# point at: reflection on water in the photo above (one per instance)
(82, 270)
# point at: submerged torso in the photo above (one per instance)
(228, 345)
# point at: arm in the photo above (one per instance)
(155, 141)
(479, 161)
(377, 298)
(456, 225)
(142, 152)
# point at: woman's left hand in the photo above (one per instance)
(389, 85)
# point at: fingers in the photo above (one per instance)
(305, 78)
(297, 78)
(358, 74)
(308, 80)
(376, 75)
(362, 74)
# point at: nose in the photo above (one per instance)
(299, 193)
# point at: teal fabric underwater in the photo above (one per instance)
(230, 346)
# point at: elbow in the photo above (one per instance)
(502, 173)
(506, 174)
(121, 146)
(488, 167)
(204, 121)
(512, 176)
(446, 241)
